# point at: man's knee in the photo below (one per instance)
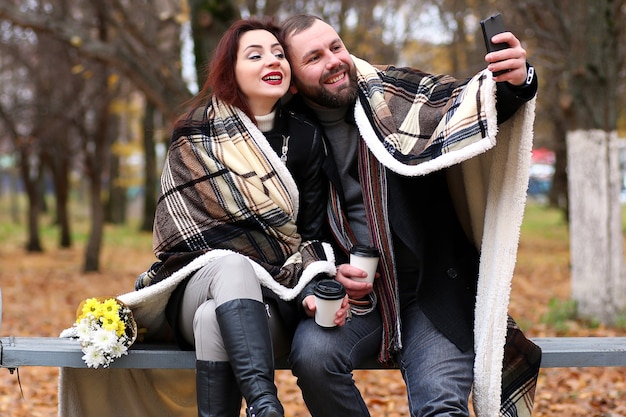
(311, 352)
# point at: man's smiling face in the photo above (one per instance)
(322, 68)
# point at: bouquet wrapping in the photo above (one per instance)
(106, 329)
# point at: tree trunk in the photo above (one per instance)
(596, 243)
(14, 196)
(150, 169)
(31, 184)
(94, 244)
(593, 163)
(98, 164)
(98, 158)
(117, 202)
(62, 206)
(559, 196)
(209, 21)
(58, 162)
(33, 244)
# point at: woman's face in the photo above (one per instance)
(262, 71)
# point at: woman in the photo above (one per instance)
(232, 189)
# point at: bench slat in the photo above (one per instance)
(559, 352)
(18, 352)
(64, 352)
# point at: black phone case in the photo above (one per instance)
(492, 26)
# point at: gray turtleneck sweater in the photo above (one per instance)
(343, 140)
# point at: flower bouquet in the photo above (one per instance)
(105, 328)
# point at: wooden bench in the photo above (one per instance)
(16, 352)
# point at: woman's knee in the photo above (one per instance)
(236, 279)
(234, 261)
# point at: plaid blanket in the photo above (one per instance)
(413, 124)
(223, 187)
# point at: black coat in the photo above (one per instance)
(305, 158)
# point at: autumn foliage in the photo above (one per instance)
(42, 291)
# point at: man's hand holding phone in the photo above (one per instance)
(505, 55)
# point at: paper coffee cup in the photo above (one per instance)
(366, 258)
(328, 297)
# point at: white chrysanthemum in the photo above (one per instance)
(93, 357)
(118, 349)
(104, 339)
(84, 328)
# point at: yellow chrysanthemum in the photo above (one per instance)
(109, 320)
(121, 328)
(110, 306)
(91, 306)
(113, 322)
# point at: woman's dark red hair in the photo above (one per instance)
(221, 80)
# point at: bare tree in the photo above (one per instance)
(57, 88)
(20, 119)
(580, 50)
(154, 69)
(137, 40)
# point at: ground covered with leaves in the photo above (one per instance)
(41, 292)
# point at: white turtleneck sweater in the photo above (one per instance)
(266, 122)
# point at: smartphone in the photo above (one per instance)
(491, 27)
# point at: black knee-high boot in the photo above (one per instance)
(217, 390)
(248, 342)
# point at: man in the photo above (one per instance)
(415, 171)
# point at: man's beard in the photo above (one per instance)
(319, 95)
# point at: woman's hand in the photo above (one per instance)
(340, 316)
(354, 289)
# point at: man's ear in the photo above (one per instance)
(293, 89)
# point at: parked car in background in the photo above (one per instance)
(541, 173)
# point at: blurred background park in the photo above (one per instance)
(89, 90)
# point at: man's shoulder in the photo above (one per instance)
(407, 78)
(382, 67)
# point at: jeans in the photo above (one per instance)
(437, 374)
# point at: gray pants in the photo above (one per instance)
(223, 279)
